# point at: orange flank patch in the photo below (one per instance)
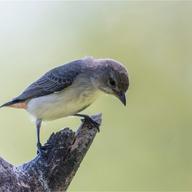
(22, 105)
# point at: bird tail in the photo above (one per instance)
(10, 103)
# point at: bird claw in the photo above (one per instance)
(42, 150)
(92, 122)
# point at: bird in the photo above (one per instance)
(68, 89)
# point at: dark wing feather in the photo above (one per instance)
(55, 80)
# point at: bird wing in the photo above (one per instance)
(54, 80)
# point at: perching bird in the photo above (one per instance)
(70, 88)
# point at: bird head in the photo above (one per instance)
(112, 78)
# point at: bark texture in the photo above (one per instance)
(55, 169)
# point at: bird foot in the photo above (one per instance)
(42, 150)
(90, 120)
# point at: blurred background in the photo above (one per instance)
(145, 146)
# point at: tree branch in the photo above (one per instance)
(54, 170)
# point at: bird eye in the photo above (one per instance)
(112, 82)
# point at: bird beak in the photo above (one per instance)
(121, 96)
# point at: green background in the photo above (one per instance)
(145, 146)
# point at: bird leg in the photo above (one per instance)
(38, 126)
(89, 119)
(40, 149)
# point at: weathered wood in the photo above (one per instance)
(55, 169)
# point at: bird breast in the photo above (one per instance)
(61, 104)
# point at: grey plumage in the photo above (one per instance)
(68, 89)
(54, 80)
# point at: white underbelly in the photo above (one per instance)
(61, 104)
